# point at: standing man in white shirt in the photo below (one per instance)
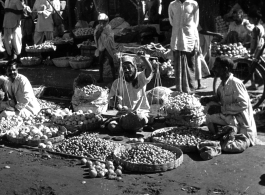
(184, 19)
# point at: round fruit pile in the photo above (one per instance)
(83, 31)
(91, 89)
(184, 109)
(87, 145)
(31, 132)
(147, 154)
(75, 118)
(88, 43)
(45, 45)
(9, 122)
(180, 136)
(230, 50)
(221, 25)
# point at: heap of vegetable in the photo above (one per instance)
(184, 109)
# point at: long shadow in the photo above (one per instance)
(262, 180)
(195, 156)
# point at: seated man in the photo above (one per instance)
(21, 99)
(131, 91)
(232, 103)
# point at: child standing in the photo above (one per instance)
(257, 39)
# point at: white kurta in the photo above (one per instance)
(184, 19)
(45, 21)
(130, 94)
(236, 108)
(22, 93)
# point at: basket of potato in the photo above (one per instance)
(30, 61)
(61, 62)
(33, 135)
(80, 62)
(185, 138)
(148, 157)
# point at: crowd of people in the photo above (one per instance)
(231, 106)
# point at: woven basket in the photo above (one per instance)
(80, 64)
(33, 61)
(185, 149)
(62, 62)
(34, 143)
(148, 168)
(97, 109)
(39, 50)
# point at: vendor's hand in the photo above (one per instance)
(214, 109)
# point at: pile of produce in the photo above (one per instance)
(44, 104)
(83, 31)
(180, 136)
(87, 145)
(184, 109)
(154, 47)
(166, 69)
(80, 58)
(76, 118)
(44, 46)
(30, 59)
(59, 40)
(9, 122)
(229, 50)
(100, 169)
(89, 90)
(33, 132)
(147, 154)
(88, 43)
(221, 25)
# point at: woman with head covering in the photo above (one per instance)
(104, 38)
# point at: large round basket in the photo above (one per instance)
(80, 64)
(184, 148)
(34, 143)
(97, 109)
(148, 168)
(61, 62)
(30, 61)
(39, 50)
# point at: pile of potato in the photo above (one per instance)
(184, 109)
(83, 31)
(229, 50)
(6, 123)
(33, 132)
(181, 136)
(147, 154)
(87, 145)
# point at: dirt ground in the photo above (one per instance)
(30, 174)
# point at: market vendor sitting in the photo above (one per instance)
(239, 29)
(130, 90)
(20, 96)
(231, 106)
(104, 39)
